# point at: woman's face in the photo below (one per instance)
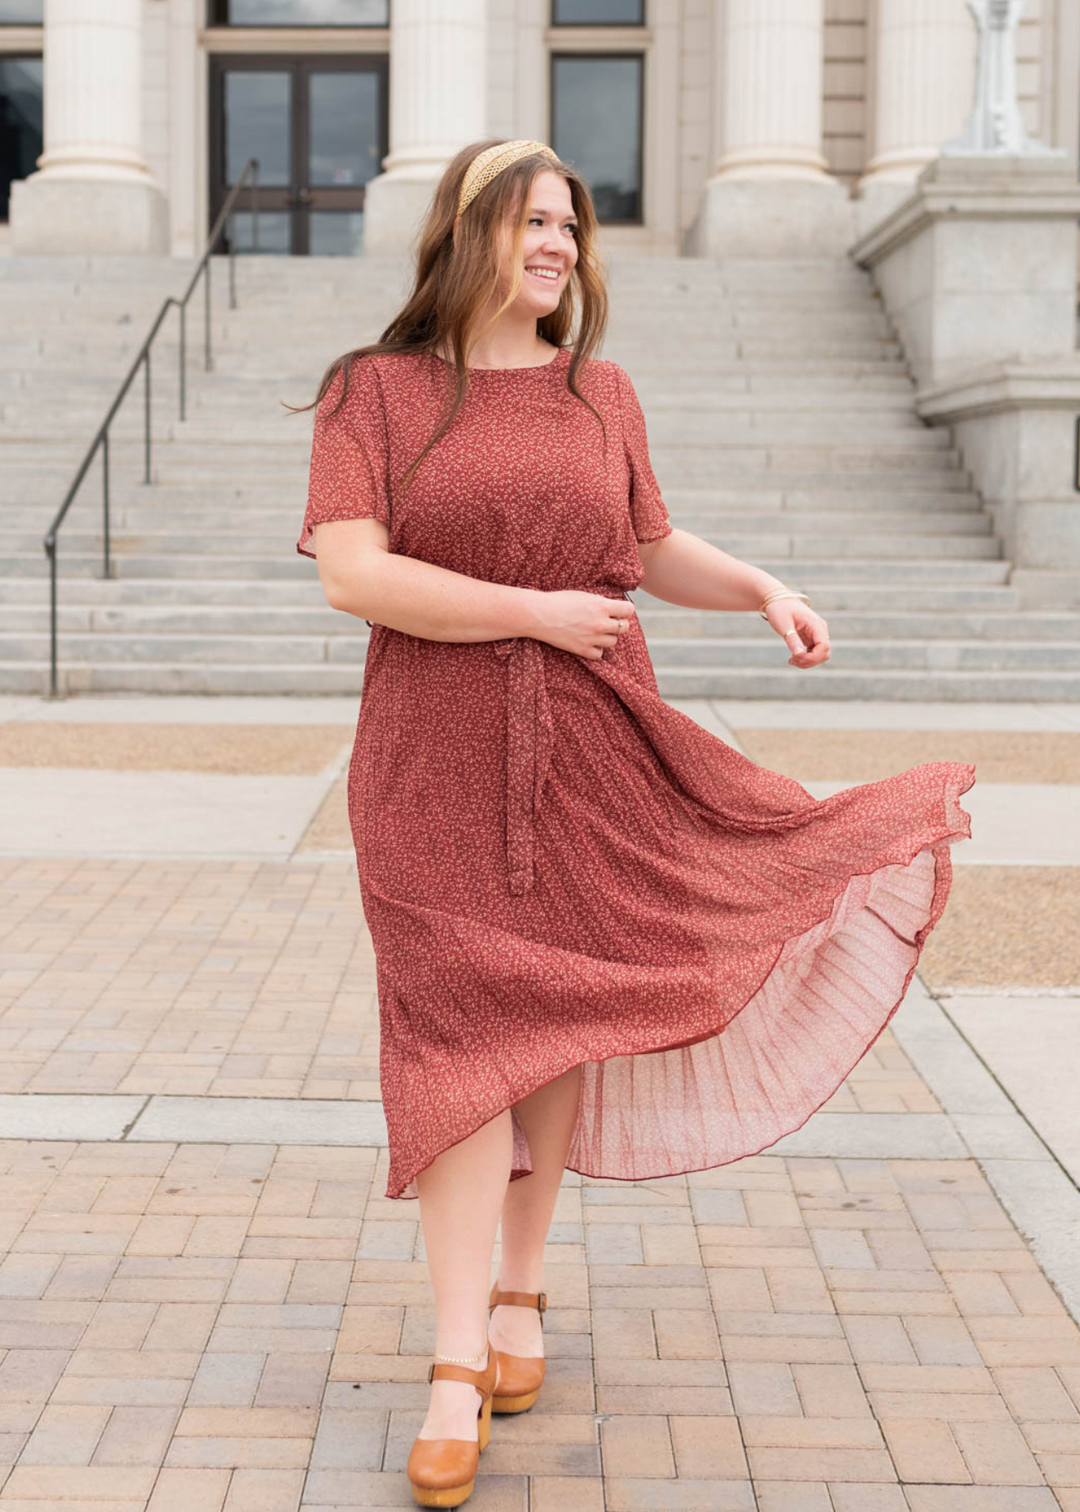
(549, 245)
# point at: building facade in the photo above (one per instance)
(123, 122)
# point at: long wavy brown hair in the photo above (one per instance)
(455, 281)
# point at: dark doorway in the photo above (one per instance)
(319, 127)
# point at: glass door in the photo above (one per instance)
(319, 128)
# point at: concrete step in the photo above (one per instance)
(947, 598)
(25, 523)
(828, 681)
(198, 505)
(752, 544)
(667, 631)
(684, 652)
(290, 564)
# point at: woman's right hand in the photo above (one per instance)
(586, 624)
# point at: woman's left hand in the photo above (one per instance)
(806, 633)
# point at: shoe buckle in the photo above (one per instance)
(431, 1372)
(541, 1301)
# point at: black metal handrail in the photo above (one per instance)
(249, 172)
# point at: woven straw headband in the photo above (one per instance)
(490, 163)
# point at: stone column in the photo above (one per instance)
(438, 102)
(92, 191)
(923, 72)
(924, 68)
(772, 61)
(771, 194)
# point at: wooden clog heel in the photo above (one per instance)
(442, 1471)
(520, 1376)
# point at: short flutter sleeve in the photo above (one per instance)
(647, 509)
(349, 455)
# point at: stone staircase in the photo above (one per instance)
(781, 427)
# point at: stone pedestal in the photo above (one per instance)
(438, 94)
(978, 271)
(1016, 426)
(92, 191)
(979, 262)
(771, 195)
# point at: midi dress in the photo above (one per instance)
(558, 868)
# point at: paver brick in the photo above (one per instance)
(255, 1453)
(830, 1391)
(997, 1455)
(637, 1446)
(878, 1340)
(797, 1291)
(65, 1436)
(762, 1431)
(247, 1422)
(942, 1341)
(136, 1435)
(709, 1447)
(293, 1380)
(189, 1491)
(683, 1335)
(627, 1495)
(557, 1493)
(821, 1464)
(623, 1332)
(981, 1499)
(740, 1290)
(924, 1449)
(793, 1496)
(1032, 1292)
(75, 1482)
(1060, 1469)
(855, 1498)
(765, 1389)
(264, 1491)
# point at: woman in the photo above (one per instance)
(605, 940)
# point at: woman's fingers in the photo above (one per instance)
(808, 640)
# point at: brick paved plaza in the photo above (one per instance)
(206, 1303)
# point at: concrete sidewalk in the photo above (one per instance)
(206, 1302)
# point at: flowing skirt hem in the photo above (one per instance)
(771, 1083)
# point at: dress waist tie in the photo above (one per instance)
(529, 742)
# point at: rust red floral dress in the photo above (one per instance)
(556, 866)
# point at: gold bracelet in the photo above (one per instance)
(779, 594)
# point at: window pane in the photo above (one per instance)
(344, 128)
(22, 12)
(303, 12)
(335, 233)
(597, 118)
(598, 12)
(257, 119)
(20, 122)
(274, 231)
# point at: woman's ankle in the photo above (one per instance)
(461, 1347)
(515, 1284)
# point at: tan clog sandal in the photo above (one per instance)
(520, 1376)
(443, 1470)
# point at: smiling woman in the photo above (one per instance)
(605, 940)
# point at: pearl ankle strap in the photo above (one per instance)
(457, 1360)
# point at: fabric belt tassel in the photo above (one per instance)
(529, 740)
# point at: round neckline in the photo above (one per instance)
(534, 367)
